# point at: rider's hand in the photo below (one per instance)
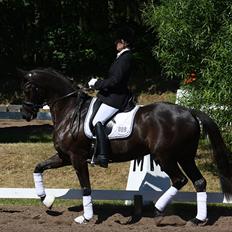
(92, 82)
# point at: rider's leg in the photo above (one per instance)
(103, 147)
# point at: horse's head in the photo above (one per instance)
(34, 96)
(42, 87)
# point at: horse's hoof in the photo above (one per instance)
(196, 222)
(158, 213)
(158, 220)
(48, 201)
(81, 220)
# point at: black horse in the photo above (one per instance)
(168, 132)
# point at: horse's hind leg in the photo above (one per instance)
(199, 183)
(53, 162)
(81, 167)
(178, 181)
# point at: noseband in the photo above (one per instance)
(34, 107)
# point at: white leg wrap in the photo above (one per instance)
(88, 207)
(166, 198)
(39, 188)
(88, 210)
(201, 206)
(48, 201)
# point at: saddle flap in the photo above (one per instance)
(120, 126)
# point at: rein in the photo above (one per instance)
(76, 116)
(63, 97)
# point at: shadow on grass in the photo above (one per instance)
(31, 133)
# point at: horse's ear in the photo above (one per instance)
(21, 73)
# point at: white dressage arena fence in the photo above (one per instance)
(74, 194)
(14, 112)
(182, 95)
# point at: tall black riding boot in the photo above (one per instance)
(103, 145)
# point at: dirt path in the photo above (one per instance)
(106, 218)
(20, 123)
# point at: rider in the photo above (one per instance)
(113, 92)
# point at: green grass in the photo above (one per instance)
(37, 202)
(175, 207)
(57, 203)
(28, 155)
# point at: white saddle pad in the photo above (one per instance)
(122, 123)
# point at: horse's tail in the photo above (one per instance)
(221, 153)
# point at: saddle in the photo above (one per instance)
(118, 127)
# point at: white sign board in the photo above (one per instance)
(145, 175)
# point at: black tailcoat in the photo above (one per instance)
(113, 90)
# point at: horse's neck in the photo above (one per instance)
(61, 109)
(67, 108)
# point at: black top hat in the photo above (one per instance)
(127, 34)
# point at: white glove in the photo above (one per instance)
(92, 82)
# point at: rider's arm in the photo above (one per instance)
(117, 74)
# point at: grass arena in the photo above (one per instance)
(18, 158)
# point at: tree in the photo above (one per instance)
(75, 37)
(196, 36)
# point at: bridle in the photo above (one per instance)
(35, 107)
(76, 116)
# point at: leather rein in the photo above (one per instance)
(35, 106)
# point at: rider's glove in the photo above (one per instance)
(92, 82)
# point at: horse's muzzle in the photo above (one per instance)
(29, 112)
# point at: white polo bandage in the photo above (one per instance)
(88, 207)
(201, 206)
(39, 188)
(166, 198)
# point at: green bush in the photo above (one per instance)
(196, 36)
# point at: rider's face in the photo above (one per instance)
(120, 45)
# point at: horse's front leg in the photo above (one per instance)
(53, 162)
(81, 167)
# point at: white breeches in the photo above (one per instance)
(104, 113)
